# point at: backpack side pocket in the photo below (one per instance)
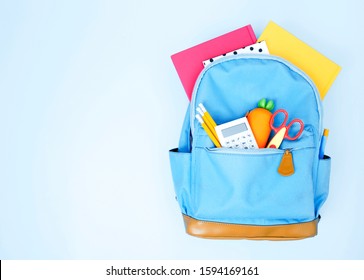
(181, 172)
(322, 184)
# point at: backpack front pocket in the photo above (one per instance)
(244, 186)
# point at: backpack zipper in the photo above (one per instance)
(286, 166)
(264, 151)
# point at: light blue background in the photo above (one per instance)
(90, 103)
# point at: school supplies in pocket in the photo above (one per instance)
(236, 134)
(283, 130)
(259, 119)
(266, 193)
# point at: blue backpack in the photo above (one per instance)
(238, 193)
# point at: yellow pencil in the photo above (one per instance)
(207, 122)
(208, 131)
(208, 116)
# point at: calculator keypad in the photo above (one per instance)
(241, 142)
(236, 134)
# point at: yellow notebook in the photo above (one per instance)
(318, 67)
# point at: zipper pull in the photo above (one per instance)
(286, 167)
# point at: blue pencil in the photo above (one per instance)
(323, 143)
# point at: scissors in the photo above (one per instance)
(282, 130)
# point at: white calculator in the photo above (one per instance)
(236, 134)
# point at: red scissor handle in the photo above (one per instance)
(298, 133)
(283, 124)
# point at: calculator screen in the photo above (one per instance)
(227, 132)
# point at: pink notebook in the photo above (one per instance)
(188, 63)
